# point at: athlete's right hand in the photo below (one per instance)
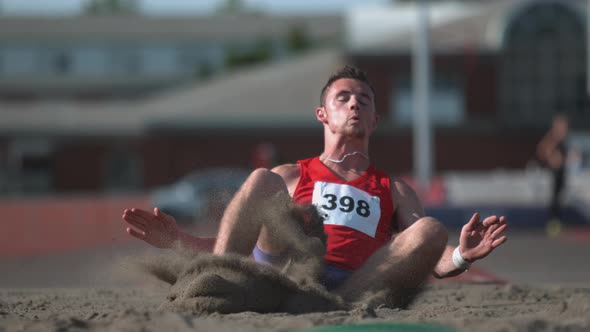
(157, 229)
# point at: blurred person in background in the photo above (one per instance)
(378, 236)
(265, 155)
(552, 153)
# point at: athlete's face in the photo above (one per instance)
(349, 109)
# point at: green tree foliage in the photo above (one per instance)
(232, 7)
(297, 39)
(111, 7)
(238, 7)
(261, 52)
(432, 1)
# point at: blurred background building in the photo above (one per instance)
(501, 71)
(103, 57)
(73, 91)
(112, 99)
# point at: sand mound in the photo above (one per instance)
(232, 283)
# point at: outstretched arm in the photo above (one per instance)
(161, 231)
(476, 241)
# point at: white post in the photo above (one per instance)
(588, 46)
(422, 132)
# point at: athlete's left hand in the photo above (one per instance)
(478, 239)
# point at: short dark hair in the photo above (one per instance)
(347, 71)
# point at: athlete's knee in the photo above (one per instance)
(263, 181)
(435, 233)
(429, 234)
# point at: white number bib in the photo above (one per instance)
(341, 204)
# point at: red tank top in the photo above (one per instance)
(357, 214)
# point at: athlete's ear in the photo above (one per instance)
(375, 122)
(320, 113)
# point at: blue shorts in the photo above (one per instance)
(332, 278)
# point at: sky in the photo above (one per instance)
(188, 7)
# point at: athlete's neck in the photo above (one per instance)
(341, 160)
(347, 164)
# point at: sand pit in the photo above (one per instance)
(468, 307)
(92, 291)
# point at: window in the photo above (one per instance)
(160, 60)
(19, 61)
(30, 166)
(53, 60)
(202, 60)
(62, 63)
(90, 60)
(543, 57)
(126, 61)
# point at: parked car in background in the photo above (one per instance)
(201, 195)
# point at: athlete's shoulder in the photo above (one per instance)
(290, 174)
(400, 189)
(307, 162)
(287, 171)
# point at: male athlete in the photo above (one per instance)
(378, 236)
